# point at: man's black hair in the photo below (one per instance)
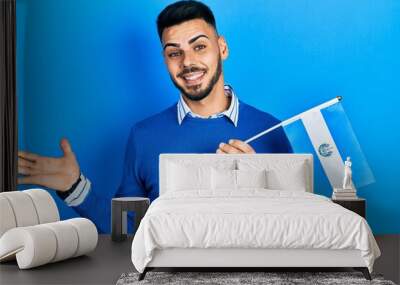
(183, 11)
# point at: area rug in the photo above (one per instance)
(244, 278)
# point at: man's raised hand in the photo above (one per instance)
(58, 173)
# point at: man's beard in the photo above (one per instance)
(198, 94)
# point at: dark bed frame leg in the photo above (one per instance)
(364, 271)
(143, 274)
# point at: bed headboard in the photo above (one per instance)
(234, 159)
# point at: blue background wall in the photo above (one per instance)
(87, 70)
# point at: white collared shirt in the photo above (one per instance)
(232, 112)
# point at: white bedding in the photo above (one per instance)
(250, 218)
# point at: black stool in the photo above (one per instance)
(119, 209)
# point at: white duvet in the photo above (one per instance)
(252, 218)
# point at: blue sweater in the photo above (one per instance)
(161, 133)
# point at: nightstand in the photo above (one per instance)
(119, 209)
(357, 205)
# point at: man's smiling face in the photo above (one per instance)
(193, 53)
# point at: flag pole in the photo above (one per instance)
(296, 117)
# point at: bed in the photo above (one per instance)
(245, 211)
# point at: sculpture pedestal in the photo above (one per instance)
(344, 194)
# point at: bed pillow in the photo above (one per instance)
(181, 177)
(282, 174)
(228, 179)
(251, 178)
(287, 179)
(223, 179)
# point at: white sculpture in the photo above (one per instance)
(31, 231)
(347, 180)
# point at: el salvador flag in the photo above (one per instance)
(325, 131)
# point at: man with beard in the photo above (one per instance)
(208, 118)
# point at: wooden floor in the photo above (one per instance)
(389, 262)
